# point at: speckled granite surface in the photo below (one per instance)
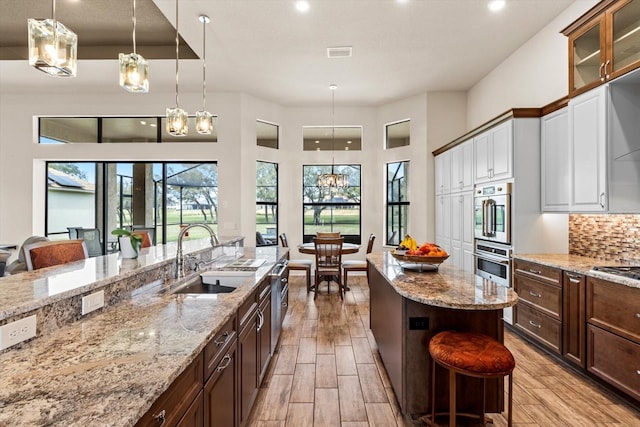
(579, 264)
(448, 287)
(107, 370)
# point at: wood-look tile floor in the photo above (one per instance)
(327, 372)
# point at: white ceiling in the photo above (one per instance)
(268, 49)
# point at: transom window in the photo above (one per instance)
(398, 134)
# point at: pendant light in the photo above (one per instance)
(53, 48)
(176, 117)
(333, 180)
(134, 69)
(204, 120)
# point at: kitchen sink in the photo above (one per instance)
(216, 282)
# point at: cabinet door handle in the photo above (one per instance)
(284, 304)
(531, 270)
(602, 200)
(227, 361)
(161, 417)
(284, 280)
(535, 294)
(606, 64)
(638, 315)
(226, 337)
(600, 72)
(534, 324)
(260, 320)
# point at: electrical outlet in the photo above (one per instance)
(18, 331)
(92, 302)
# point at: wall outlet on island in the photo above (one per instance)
(18, 331)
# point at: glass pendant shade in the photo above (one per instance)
(53, 48)
(177, 124)
(204, 122)
(134, 73)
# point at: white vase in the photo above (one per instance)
(126, 248)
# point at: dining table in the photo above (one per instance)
(310, 248)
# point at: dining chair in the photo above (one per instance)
(298, 264)
(329, 262)
(357, 265)
(325, 234)
(151, 231)
(20, 265)
(47, 254)
(91, 237)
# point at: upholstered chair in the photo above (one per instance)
(298, 264)
(47, 254)
(357, 265)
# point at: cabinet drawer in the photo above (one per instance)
(218, 346)
(543, 296)
(264, 290)
(541, 272)
(246, 309)
(614, 307)
(614, 359)
(175, 401)
(539, 326)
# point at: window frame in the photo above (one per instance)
(274, 241)
(401, 205)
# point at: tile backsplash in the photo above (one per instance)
(607, 237)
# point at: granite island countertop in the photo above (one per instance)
(581, 265)
(107, 369)
(448, 287)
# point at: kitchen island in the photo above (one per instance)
(109, 367)
(407, 308)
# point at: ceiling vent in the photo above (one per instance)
(339, 52)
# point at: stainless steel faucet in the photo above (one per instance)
(179, 255)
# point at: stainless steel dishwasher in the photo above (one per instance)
(279, 299)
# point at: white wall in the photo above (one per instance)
(533, 76)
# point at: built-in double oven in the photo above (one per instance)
(492, 234)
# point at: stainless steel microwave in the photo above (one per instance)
(493, 212)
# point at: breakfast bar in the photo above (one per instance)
(408, 308)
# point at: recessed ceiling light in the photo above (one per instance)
(496, 5)
(142, 122)
(317, 142)
(402, 1)
(302, 5)
(348, 142)
(153, 125)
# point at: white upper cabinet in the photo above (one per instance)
(588, 138)
(554, 132)
(493, 153)
(462, 167)
(443, 173)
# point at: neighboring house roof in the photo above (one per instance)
(58, 180)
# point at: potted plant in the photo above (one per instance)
(130, 243)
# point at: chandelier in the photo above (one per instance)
(333, 180)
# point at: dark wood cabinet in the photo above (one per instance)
(538, 313)
(574, 318)
(248, 361)
(264, 336)
(603, 44)
(194, 417)
(221, 392)
(173, 404)
(613, 334)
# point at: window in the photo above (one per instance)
(159, 197)
(267, 201)
(331, 209)
(266, 134)
(323, 138)
(397, 202)
(398, 134)
(62, 130)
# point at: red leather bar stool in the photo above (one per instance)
(471, 354)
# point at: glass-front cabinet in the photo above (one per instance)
(604, 43)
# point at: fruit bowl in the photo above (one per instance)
(419, 258)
